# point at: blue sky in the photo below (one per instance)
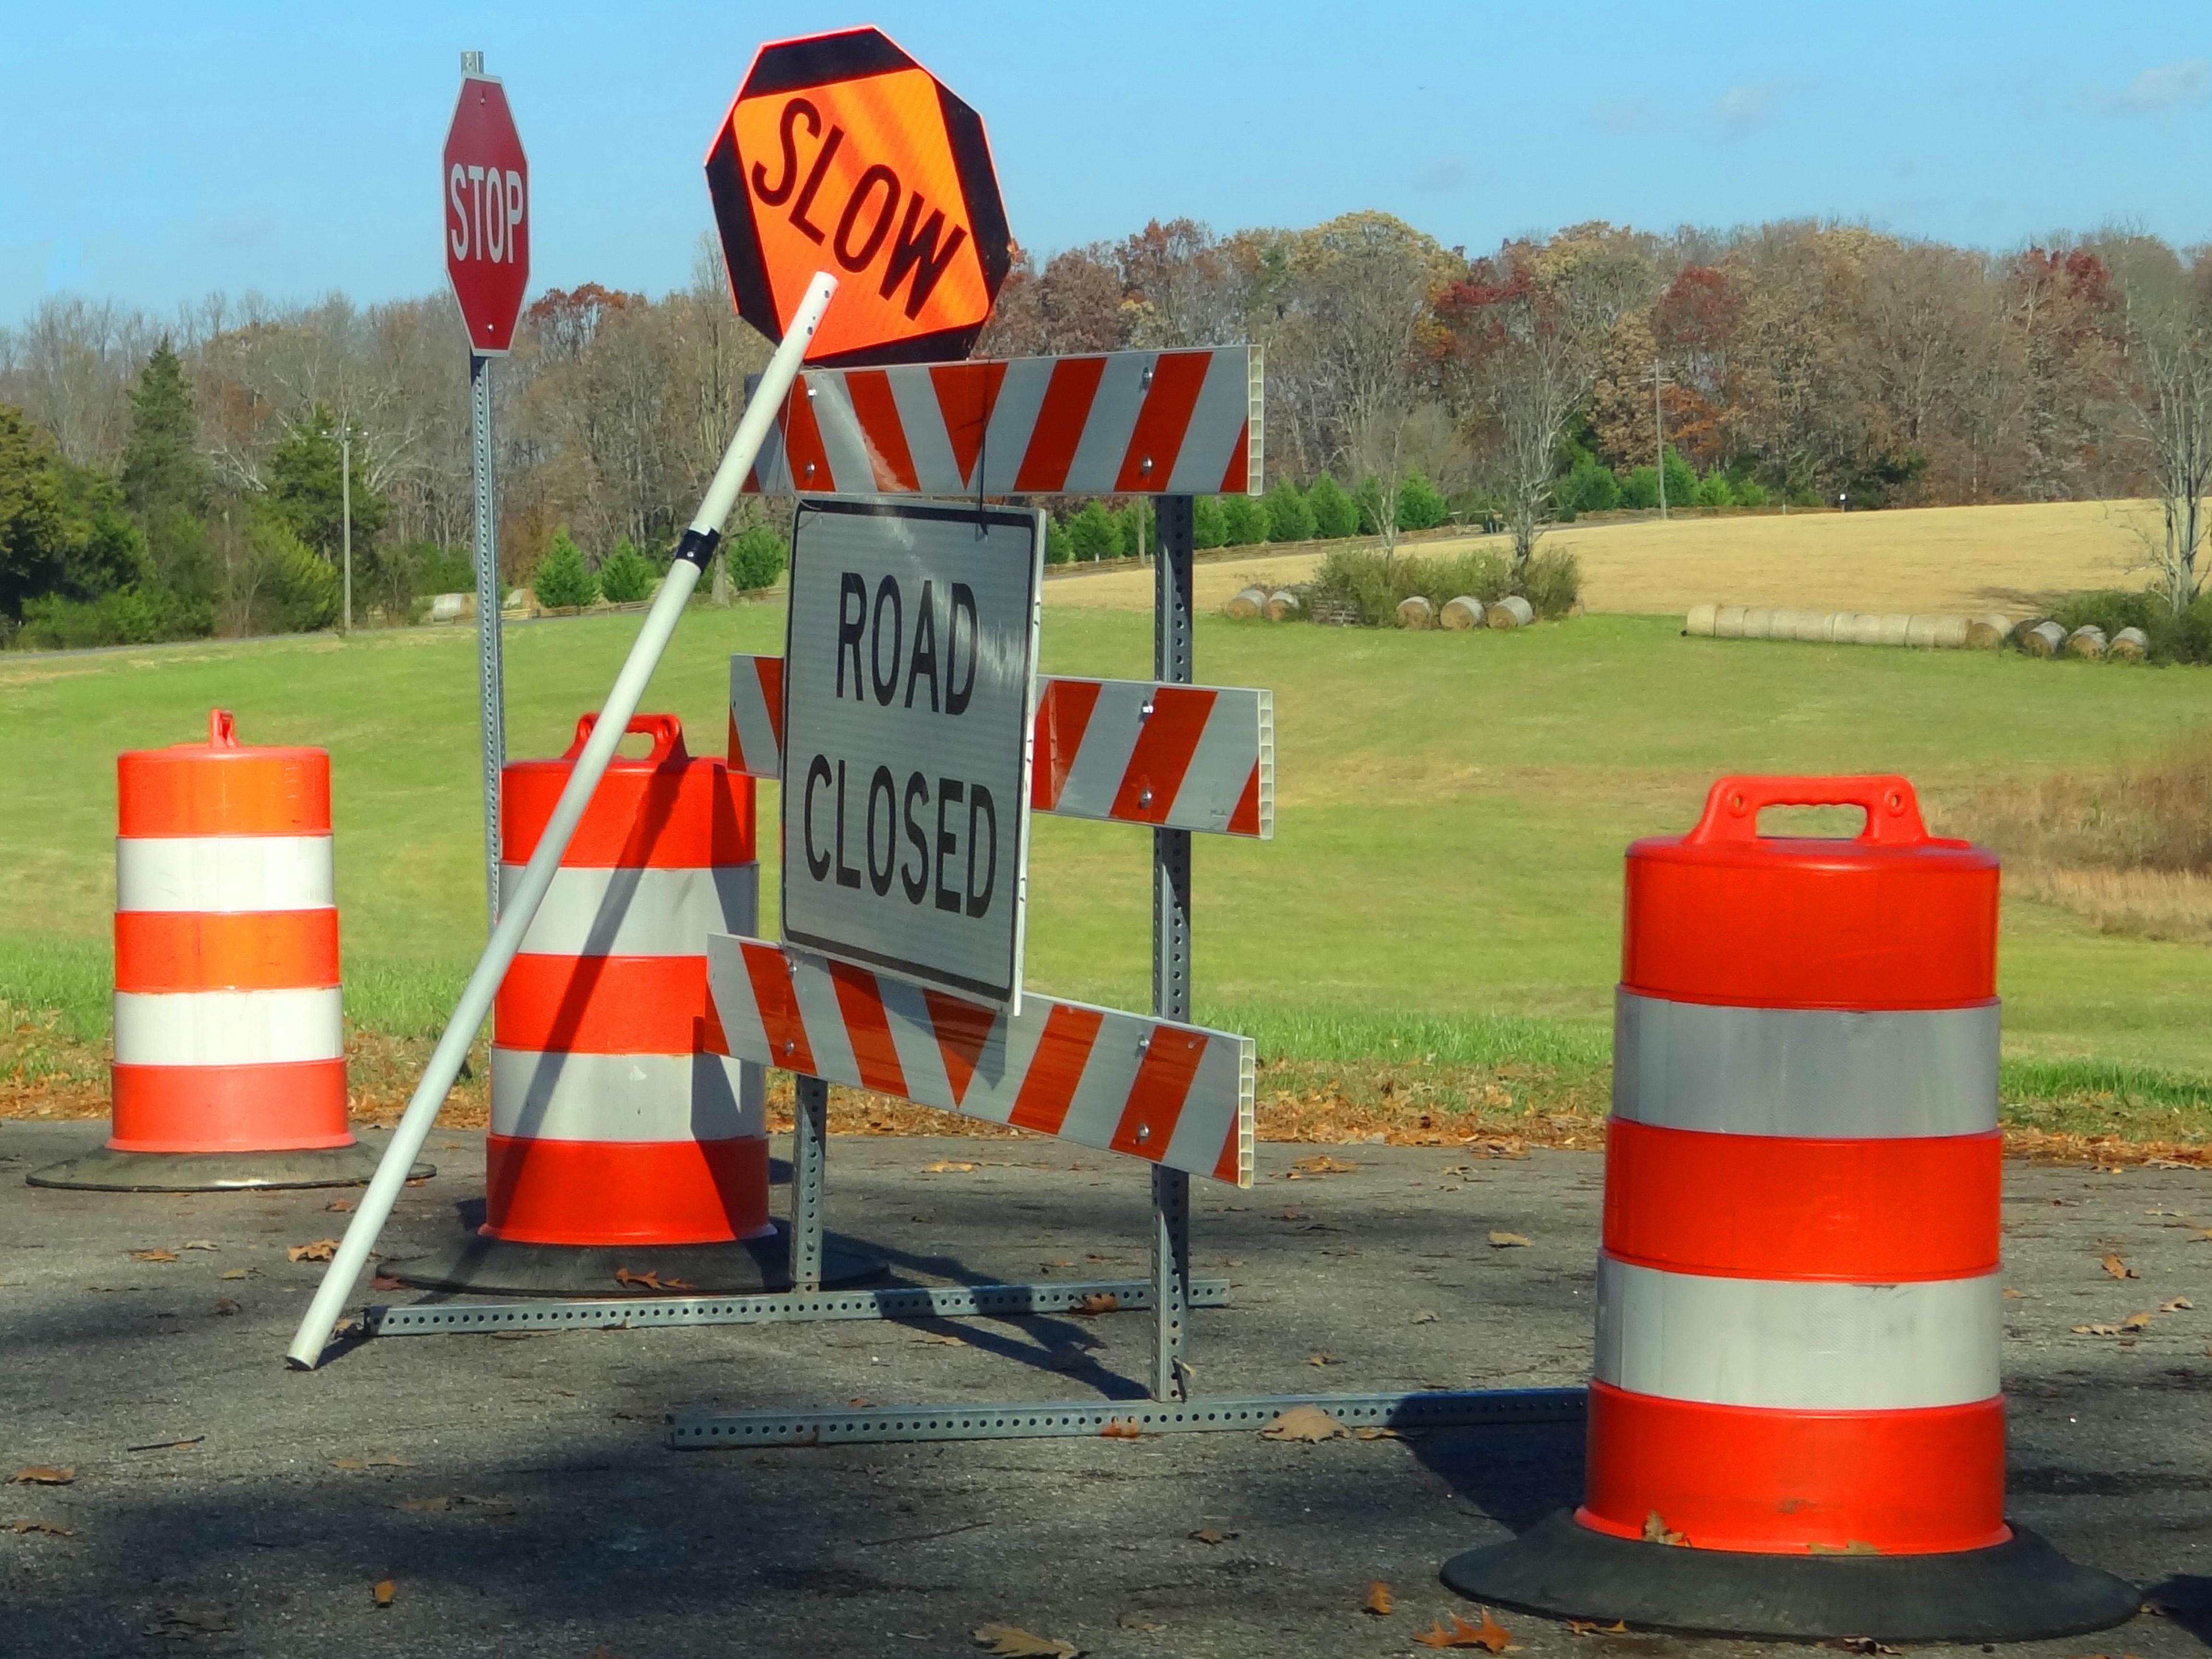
(159, 151)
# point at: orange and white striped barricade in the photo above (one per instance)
(1120, 423)
(1199, 757)
(627, 1144)
(229, 1049)
(1796, 1424)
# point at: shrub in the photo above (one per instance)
(123, 616)
(1136, 529)
(1209, 526)
(1372, 586)
(1244, 520)
(1640, 488)
(303, 591)
(2183, 638)
(1712, 490)
(1369, 500)
(1681, 479)
(1552, 582)
(1336, 515)
(624, 576)
(1589, 488)
(756, 559)
(1420, 504)
(1093, 535)
(1749, 492)
(563, 580)
(1290, 514)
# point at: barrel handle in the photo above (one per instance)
(222, 729)
(667, 731)
(1732, 806)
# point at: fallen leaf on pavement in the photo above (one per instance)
(384, 1589)
(235, 1272)
(190, 1618)
(339, 1205)
(1591, 1627)
(2117, 1265)
(1098, 1301)
(225, 1306)
(2138, 1321)
(456, 1502)
(1304, 1423)
(1425, 1319)
(2010, 1294)
(2176, 1305)
(1319, 1164)
(153, 1255)
(1860, 1645)
(1507, 1241)
(946, 1166)
(199, 1244)
(1377, 1434)
(1489, 1634)
(1656, 1531)
(385, 1282)
(942, 1339)
(1855, 1546)
(44, 1474)
(1322, 1359)
(1378, 1600)
(48, 1527)
(649, 1281)
(321, 1250)
(2096, 1330)
(1011, 1642)
(1121, 1428)
(1212, 1535)
(1137, 1621)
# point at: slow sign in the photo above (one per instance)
(485, 182)
(842, 154)
(909, 665)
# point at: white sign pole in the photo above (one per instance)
(697, 546)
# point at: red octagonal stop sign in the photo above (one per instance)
(487, 191)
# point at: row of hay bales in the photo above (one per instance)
(1991, 631)
(1415, 612)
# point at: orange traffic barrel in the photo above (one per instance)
(229, 1066)
(624, 1139)
(1796, 1422)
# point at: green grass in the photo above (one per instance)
(1446, 872)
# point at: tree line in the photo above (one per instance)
(165, 476)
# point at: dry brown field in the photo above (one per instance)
(1928, 559)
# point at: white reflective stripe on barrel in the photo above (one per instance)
(228, 1028)
(1797, 1344)
(223, 873)
(632, 912)
(1826, 1074)
(578, 1097)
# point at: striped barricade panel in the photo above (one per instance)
(1129, 752)
(1171, 1094)
(1122, 422)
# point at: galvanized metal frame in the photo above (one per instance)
(491, 688)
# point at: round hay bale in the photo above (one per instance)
(1249, 602)
(1936, 633)
(1728, 623)
(1700, 620)
(2086, 641)
(2130, 645)
(2043, 639)
(1511, 611)
(1759, 621)
(1857, 628)
(1282, 604)
(452, 607)
(1891, 628)
(1818, 627)
(1989, 631)
(1415, 611)
(1465, 611)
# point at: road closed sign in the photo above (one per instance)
(909, 662)
(841, 153)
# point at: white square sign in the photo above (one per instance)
(909, 674)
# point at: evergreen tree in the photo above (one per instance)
(563, 580)
(163, 470)
(1420, 505)
(1335, 514)
(304, 494)
(1209, 525)
(31, 517)
(757, 558)
(1290, 514)
(1093, 535)
(624, 576)
(1244, 521)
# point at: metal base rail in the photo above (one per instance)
(894, 1301)
(1114, 1418)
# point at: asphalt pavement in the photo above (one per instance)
(515, 1496)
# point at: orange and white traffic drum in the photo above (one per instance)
(1796, 1421)
(229, 1067)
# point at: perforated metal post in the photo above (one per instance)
(491, 689)
(810, 1133)
(1171, 1229)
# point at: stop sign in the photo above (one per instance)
(487, 208)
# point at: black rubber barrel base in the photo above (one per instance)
(2013, 1592)
(107, 1171)
(479, 1266)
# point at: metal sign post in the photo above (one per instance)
(491, 688)
(1171, 1231)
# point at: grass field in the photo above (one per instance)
(1444, 880)
(1963, 559)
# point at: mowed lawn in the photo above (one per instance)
(1451, 811)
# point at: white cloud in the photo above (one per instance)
(2188, 81)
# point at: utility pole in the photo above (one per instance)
(1659, 431)
(345, 514)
